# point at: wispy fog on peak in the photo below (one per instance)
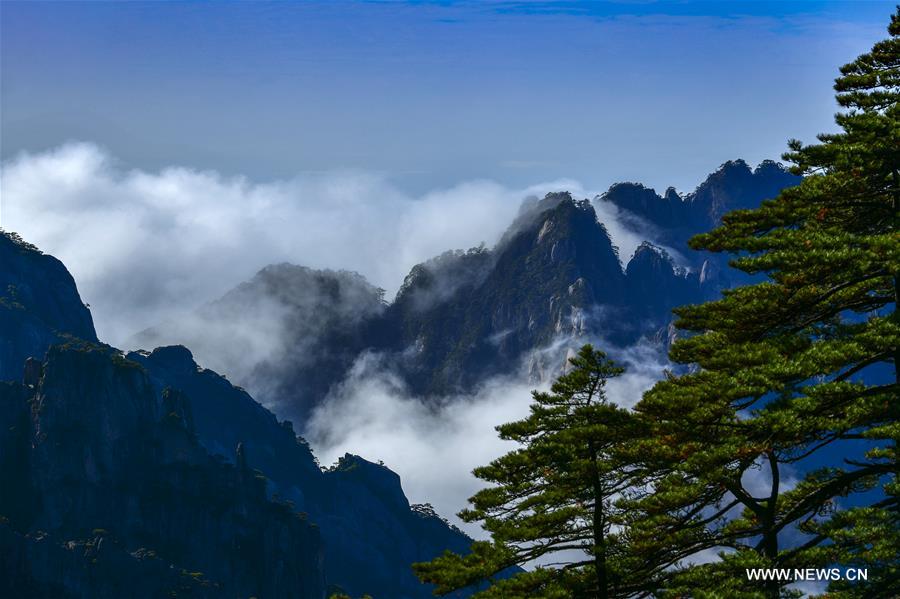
(146, 247)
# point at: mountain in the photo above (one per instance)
(105, 485)
(144, 470)
(142, 474)
(448, 332)
(39, 305)
(289, 331)
(672, 219)
(363, 516)
(554, 280)
(654, 284)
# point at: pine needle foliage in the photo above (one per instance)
(779, 449)
(553, 500)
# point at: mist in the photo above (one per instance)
(147, 247)
(434, 448)
(154, 249)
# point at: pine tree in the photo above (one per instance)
(793, 377)
(554, 499)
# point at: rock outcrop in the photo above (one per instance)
(39, 305)
(656, 285)
(371, 535)
(105, 485)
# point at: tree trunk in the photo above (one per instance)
(770, 535)
(599, 530)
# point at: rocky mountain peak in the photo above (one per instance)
(629, 192)
(344, 292)
(175, 358)
(734, 185)
(770, 168)
(534, 211)
(439, 278)
(39, 305)
(376, 477)
(672, 195)
(534, 205)
(649, 254)
(642, 205)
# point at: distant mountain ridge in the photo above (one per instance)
(465, 316)
(733, 186)
(287, 323)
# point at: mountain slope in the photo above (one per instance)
(290, 330)
(100, 458)
(359, 507)
(145, 469)
(39, 305)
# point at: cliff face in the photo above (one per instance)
(371, 535)
(375, 534)
(39, 305)
(135, 448)
(143, 474)
(541, 281)
(109, 485)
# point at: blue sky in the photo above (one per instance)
(429, 93)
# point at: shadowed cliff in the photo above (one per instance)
(146, 475)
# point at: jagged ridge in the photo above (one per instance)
(465, 316)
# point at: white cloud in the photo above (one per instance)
(434, 448)
(145, 246)
(626, 238)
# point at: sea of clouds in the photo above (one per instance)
(149, 247)
(143, 246)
